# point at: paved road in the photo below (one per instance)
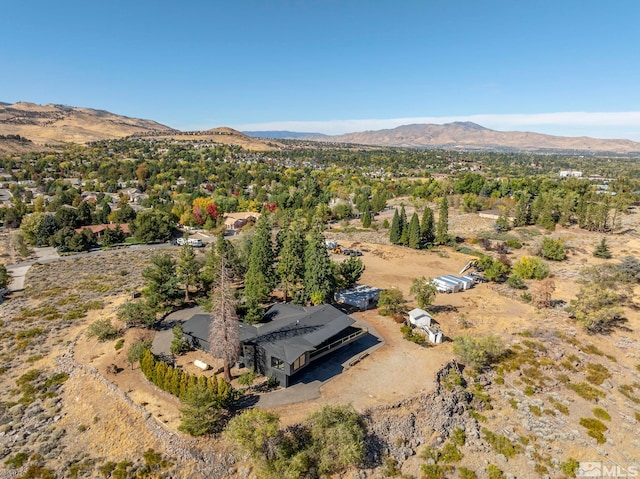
(19, 271)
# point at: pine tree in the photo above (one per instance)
(414, 232)
(162, 282)
(427, 228)
(184, 385)
(319, 281)
(404, 227)
(224, 341)
(366, 219)
(201, 412)
(442, 229)
(522, 211)
(259, 281)
(395, 231)
(602, 250)
(159, 373)
(290, 269)
(175, 383)
(192, 382)
(212, 384)
(187, 268)
(147, 363)
(168, 380)
(503, 223)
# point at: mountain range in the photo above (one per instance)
(471, 136)
(54, 125)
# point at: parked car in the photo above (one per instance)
(346, 252)
(355, 252)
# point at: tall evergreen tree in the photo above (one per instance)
(319, 281)
(414, 232)
(224, 340)
(259, 281)
(522, 211)
(366, 219)
(395, 231)
(404, 227)
(290, 269)
(442, 229)
(187, 268)
(162, 282)
(427, 234)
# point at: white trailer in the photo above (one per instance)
(446, 285)
(465, 283)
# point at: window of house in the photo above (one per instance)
(298, 363)
(277, 363)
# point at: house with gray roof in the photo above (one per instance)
(289, 339)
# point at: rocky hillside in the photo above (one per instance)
(467, 135)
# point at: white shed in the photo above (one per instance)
(434, 334)
(420, 318)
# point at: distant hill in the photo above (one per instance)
(282, 134)
(55, 125)
(221, 135)
(470, 136)
(58, 124)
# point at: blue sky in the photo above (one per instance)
(569, 67)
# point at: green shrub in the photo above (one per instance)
(410, 335)
(500, 444)
(103, 330)
(390, 467)
(453, 379)
(570, 467)
(597, 373)
(586, 391)
(478, 352)
(535, 410)
(561, 407)
(516, 282)
(513, 243)
(601, 414)
(628, 391)
(464, 473)
(595, 428)
(391, 302)
(450, 453)
(530, 267)
(458, 437)
(119, 344)
(494, 472)
(435, 471)
(477, 416)
(17, 460)
(553, 249)
(247, 378)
